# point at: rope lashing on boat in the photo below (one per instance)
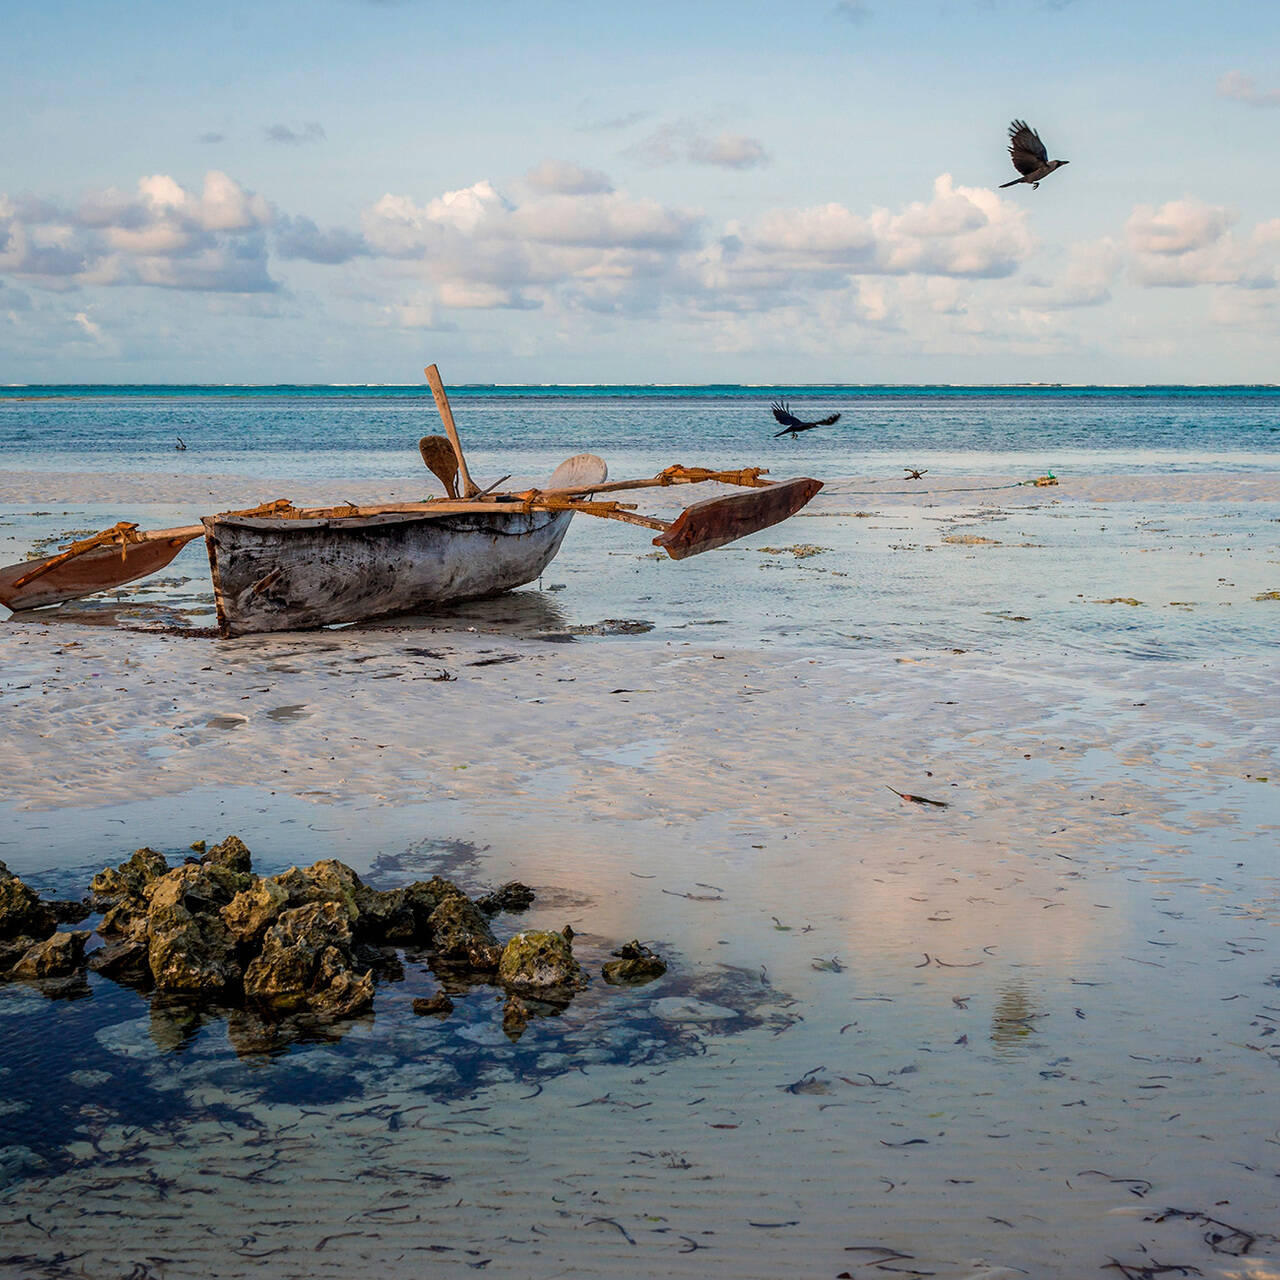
(746, 477)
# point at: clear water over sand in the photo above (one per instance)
(1030, 1033)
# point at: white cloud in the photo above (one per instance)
(1178, 227)
(961, 231)
(87, 325)
(1091, 270)
(1240, 87)
(163, 235)
(299, 237)
(484, 251)
(612, 221)
(729, 151)
(559, 177)
(1186, 242)
(684, 142)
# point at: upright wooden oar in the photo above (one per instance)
(469, 486)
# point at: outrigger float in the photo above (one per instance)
(277, 567)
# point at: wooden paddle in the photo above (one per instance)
(437, 452)
(469, 487)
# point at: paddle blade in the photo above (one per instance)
(98, 570)
(441, 461)
(703, 526)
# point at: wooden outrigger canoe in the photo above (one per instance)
(276, 567)
(286, 574)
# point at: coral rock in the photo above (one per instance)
(306, 958)
(21, 911)
(460, 934)
(190, 949)
(540, 960)
(254, 910)
(512, 896)
(56, 957)
(124, 958)
(636, 965)
(130, 878)
(231, 853)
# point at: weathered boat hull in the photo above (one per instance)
(288, 575)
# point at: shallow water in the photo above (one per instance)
(998, 1038)
(1031, 1033)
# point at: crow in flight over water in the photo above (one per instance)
(1029, 156)
(791, 424)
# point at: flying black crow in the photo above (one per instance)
(791, 424)
(1029, 156)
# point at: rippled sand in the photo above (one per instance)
(1005, 1037)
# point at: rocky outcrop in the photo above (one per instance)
(22, 914)
(512, 896)
(635, 965)
(55, 957)
(231, 853)
(189, 947)
(291, 950)
(540, 961)
(254, 910)
(120, 893)
(306, 958)
(460, 934)
(129, 879)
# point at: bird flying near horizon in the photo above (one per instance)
(1029, 156)
(791, 424)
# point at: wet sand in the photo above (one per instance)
(999, 1038)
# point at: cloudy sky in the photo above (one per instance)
(589, 191)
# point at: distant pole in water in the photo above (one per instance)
(180, 447)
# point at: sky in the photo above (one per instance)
(582, 191)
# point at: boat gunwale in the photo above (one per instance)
(341, 524)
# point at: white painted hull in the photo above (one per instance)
(289, 575)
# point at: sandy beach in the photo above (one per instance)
(1027, 1033)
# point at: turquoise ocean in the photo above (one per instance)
(368, 432)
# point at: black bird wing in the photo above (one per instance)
(826, 422)
(784, 416)
(1025, 148)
